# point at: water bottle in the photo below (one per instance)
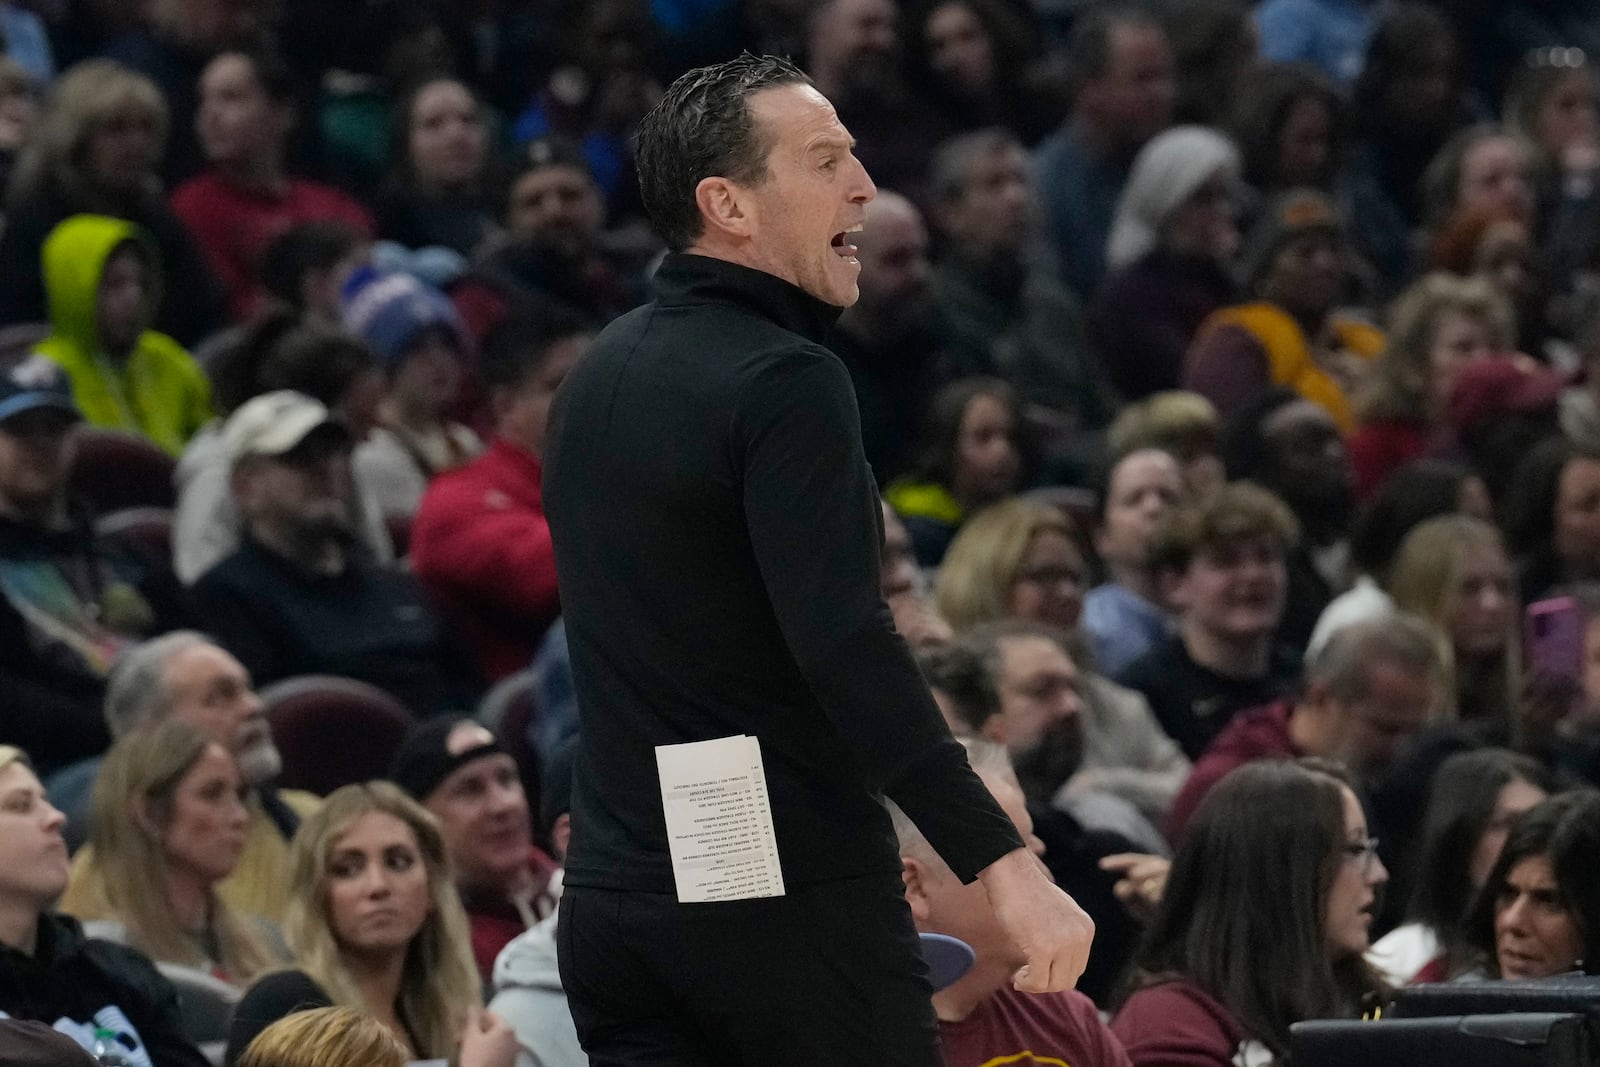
(108, 1051)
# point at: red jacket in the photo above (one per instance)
(233, 225)
(1251, 735)
(481, 545)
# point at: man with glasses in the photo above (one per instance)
(1077, 742)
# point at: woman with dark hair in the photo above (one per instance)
(1475, 799)
(441, 190)
(976, 61)
(1538, 914)
(1289, 124)
(1483, 166)
(1407, 102)
(972, 455)
(1262, 924)
(1552, 517)
(246, 195)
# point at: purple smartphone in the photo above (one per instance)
(1553, 636)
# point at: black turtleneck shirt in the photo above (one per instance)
(717, 536)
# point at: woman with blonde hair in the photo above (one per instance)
(96, 151)
(1453, 572)
(375, 925)
(1017, 558)
(1435, 328)
(169, 824)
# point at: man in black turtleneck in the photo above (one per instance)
(717, 540)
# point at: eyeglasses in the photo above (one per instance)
(1557, 56)
(1051, 576)
(1364, 853)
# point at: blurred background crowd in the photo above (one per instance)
(1231, 373)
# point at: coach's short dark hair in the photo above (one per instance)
(702, 128)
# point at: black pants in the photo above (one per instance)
(827, 976)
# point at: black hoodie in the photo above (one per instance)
(77, 985)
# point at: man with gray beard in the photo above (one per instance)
(186, 676)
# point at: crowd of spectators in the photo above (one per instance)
(1230, 372)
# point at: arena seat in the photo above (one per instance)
(333, 731)
(113, 470)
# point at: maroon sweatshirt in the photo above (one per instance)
(1258, 734)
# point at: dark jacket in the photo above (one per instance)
(1145, 316)
(77, 984)
(718, 538)
(69, 604)
(1193, 703)
(368, 623)
(1015, 321)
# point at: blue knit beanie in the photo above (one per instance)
(391, 311)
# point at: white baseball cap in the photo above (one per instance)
(275, 423)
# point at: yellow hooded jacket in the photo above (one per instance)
(158, 391)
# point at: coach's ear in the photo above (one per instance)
(724, 207)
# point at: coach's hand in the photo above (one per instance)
(1047, 924)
